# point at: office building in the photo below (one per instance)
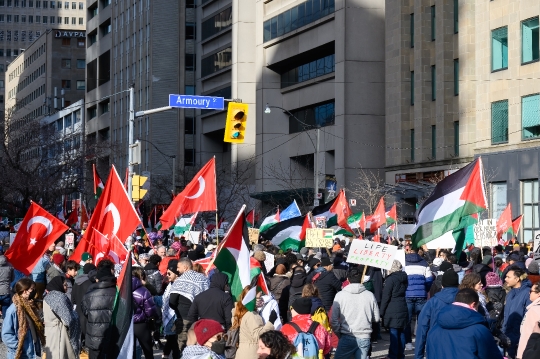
(461, 83)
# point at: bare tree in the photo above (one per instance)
(369, 187)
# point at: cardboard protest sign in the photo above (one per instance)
(319, 237)
(269, 262)
(373, 254)
(253, 235)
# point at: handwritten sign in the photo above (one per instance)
(485, 233)
(70, 241)
(269, 262)
(319, 237)
(373, 254)
(253, 235)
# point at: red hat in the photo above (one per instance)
(206, 329)
(58, 259)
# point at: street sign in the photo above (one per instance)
(318, 195)
(315, 202)
(353, 202)
(201, 102)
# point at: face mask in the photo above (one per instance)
(32, 294)
(218, 347)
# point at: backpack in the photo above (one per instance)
(305, 342)
(321, 317)
(231, 343)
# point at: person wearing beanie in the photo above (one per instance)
(496, 296)
(97, 307)
(533, 269)
(326, 282)
(450, 283)
(85, 258)
(393, 309)
(301, 321)
(209, 341)
(56, 267)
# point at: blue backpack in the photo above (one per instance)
(305, 342)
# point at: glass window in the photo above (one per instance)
(529, 200)
(311, 70)
(433, 142)
(81, 6)
(190, 31)
(412, 145)
(412, 30)
(66, 63)
(412, 88)
(81, 63)
(499, 122)
(66, 84)
(456, 16)
(499, 49)
(216, 62)
(218, 23)
(433, 23)
(456, 77)
(66, 20)
(319, 115)
(80, 85)
(498, 198)
(190, 62)
(433, 83)
(530, 42)
(530, 116)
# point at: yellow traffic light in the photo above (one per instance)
(137, 192)
(235, 128)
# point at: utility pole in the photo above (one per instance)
(130, 138)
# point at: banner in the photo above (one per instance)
(373, 254)
(485, 233)
(319, 237)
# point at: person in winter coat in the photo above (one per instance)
(279, 281)
(144, 311)
(393, 309)
(56, 267)
(473, 281)
(214, 303)
(22, 330)
(517, 301)
(6, 277)
(97, 306)
(480, 266)
(153, 275)
(62, 328)
(531, 319)
(340, 267)
(82, 282)
(532, 350)
(168, 314)
(208, 333)
(311, 292)
(420, 280)
(301, 318)
(298, 279)
(426, 319)
(534, 275)
(461, 332)
(326, 282)
(496, 297)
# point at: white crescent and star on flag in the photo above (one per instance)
(202, 185)
(41, 220)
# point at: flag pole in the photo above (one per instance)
(397, 231)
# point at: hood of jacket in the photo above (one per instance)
(414, 258)
(298, 279)
(401, 276)
(80, 279)
(219, 281)
(447, 295)
(354, 288)
(135, 283)
(533, 304)
(457, 317)
(3, 260)
(525, 286)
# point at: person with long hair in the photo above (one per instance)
(250, 326)
(169, 316)
(473, 281)
(62, 327)
(22, 329)
(274, 345)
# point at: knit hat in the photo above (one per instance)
(396, 267)
(513, 257)
(445, 266)
(527, 262)
(493, 280)
(487, 260)
(302, 305)
(58, 259)
(260, 256)
(304, 251)
(437, 261)
(104, 274)
(533, 267)
(173, 267)
(450, 279)
(205, 329)
(86, 256)
(325, 262)
(88, 267)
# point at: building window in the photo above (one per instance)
(73, 21)
(189, 126)
(52, 19)
(217, 23)
(81, 6)
(498, 198)
(66, 84)
(92, 38)
(433, 24)
(190, 90)
(530, 116)
(190, 31)
(530, 42)
(433, 83)
(456, 77)
(412, 88)
(66, 63)
(499, 122)
(456, 16)
(73, 6)
(189, 157)
(412, 30)
(190, 62)
(81, 63)
(412, 145)
(298, 16)
(308, 71)
(104, 107)
(66, 41)
(92, 112)
(216, 62)
(433, 142)
(529, 200)
(66, 20)
(80, 85)
(499, 49)
(81, 21)
(314, 116)
(81, 42)
(224, 92)
(456, 138)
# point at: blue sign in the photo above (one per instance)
(201, 102)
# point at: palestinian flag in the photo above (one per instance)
(258, 284)
(98, 183)
(269, 221)
(184, 225)
(233, 257)
(122, 319)
(289, 234)
(250, 218)
(505, 221)
(516, 224)
(324, 210)
(357, 221)
(457, 196)
(391, 216)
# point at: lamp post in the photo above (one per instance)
(268, 110)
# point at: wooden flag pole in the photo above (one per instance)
(363, 274)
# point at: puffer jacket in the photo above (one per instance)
(304, 322)
(97, 307)
(6, 275)
(419, 275)
(153, 276)
(328, 286)
(81, 285)
(214, 303)
(393, 308)
(145, 308)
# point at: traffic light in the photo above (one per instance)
(235, 128)
(137, 192)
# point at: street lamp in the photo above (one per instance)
(268, 110)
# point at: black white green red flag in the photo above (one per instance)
(516, 224)
(98, 183)
(122, 320)
(289, 234)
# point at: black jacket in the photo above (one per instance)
(375, 276)
(328, 286)
(214, 303)
(532, 350)
(153, 276)
(97, 306)
(393, 303)
(80, 287)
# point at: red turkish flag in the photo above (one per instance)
(114, 216)
(39, 229)
(198, 196)
(379, 217)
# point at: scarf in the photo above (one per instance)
(196, 351)
(168, 313)
(190, 284)
(62, 308)
(24, 310)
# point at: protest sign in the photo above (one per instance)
(253, 235)
(269, 262)
(536, 248)
(319, 237)
(11, 238)
(320, 222)
(70, 241)
(192, 236)
(485, 233)
(373, 254)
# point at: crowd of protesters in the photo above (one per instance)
(484, 303)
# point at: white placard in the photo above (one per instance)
(485, 233)
(400, 256)
(192, 236)
(70, 241)
(536, 248)
(373, 254)
(269, 262)
(11, 238)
